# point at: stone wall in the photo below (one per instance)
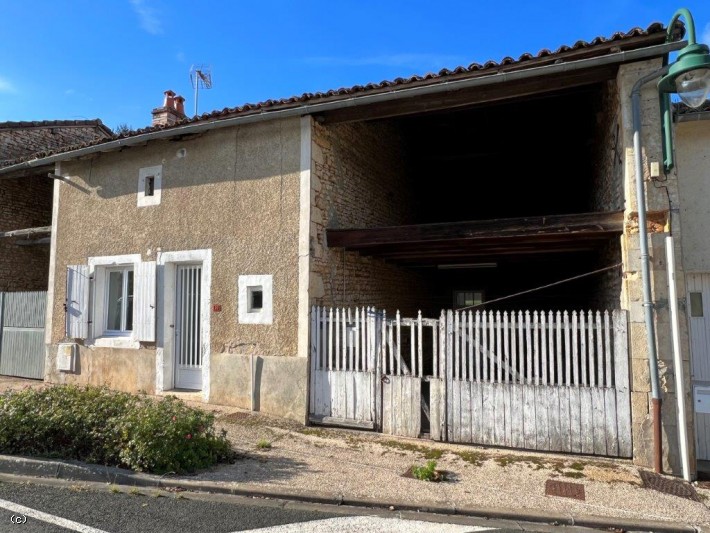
(22, 139)
(359, 180)
(607, 193)
(24, 203)
(657, 202)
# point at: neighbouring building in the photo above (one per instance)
(25, 228)
(452, 256)
(693, 156)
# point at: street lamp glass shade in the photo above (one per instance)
(693, 86)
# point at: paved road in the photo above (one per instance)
(94, 509)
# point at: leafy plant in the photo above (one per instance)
(97, 425)
(427, 472)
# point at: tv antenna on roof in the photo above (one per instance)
(200, 77)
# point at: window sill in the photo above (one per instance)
(115, 342)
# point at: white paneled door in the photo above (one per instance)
(188, 352)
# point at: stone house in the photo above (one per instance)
(26, 198)
(205, 256)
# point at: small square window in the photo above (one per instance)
(696, 304)
(256, 299)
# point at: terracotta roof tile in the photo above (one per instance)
(508, 63)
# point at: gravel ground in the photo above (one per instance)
(363, 464)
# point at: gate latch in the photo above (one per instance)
(385, 378)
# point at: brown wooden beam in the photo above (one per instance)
(27, 231)
(571, 226)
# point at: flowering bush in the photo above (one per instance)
(97, 425)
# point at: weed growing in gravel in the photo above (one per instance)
(263, 444)
(115, 489)
(474, 458)
(577, 466)
(135, 492)
(427, 472)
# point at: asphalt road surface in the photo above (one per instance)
(26, 508)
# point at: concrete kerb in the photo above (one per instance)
(77, 471)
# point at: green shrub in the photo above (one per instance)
(168, 436)
(427, 472)
(96, 425)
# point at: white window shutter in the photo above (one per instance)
(77, 303)
(144, 302)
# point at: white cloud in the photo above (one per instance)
(6, 86)
(705, 39)
(148, 17)
(437, 61)
(69, 92)
(180, 56)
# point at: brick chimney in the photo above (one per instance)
(173, 109)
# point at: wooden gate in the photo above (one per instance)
(540, 381)
(533, 380)
(409, 355)
(22, 316)
(344, 368)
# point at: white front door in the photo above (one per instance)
(188, 337)
(698, 308)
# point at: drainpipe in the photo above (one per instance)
(677, 360)
(645, 270)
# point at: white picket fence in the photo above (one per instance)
(554, 381)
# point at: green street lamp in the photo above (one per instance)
(688, 76)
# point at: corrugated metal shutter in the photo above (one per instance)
(144, 302)
(22, 333)
(77, 303)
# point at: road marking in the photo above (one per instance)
(362, 524)
(46, 517)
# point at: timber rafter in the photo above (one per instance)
(481, 239)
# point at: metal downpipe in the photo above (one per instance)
(645, 268)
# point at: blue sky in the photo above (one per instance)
(112, 59)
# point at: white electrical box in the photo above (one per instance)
(655, 169)
(702, 399)
(65, 356)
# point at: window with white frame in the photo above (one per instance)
(112, 301)
(256, 299)
(118, 301)
(150, 184)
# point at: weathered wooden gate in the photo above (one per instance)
(536, 380)
(344, 368)
(542, 381)
(22, 316)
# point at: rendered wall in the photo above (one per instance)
(692, 143)
(234, 191)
